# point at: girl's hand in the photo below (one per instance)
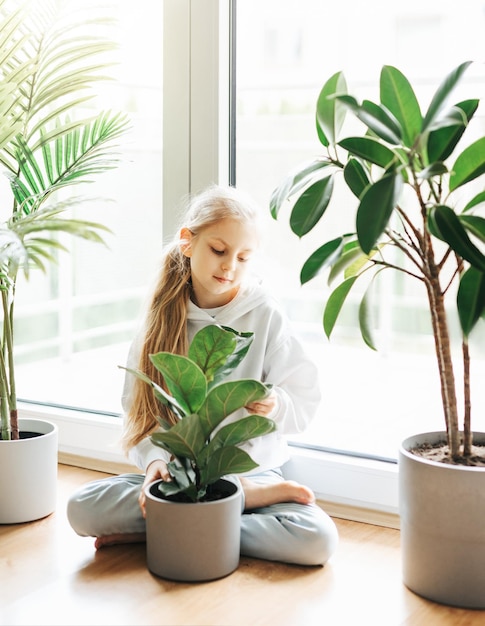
(155, 471)
(263, 407)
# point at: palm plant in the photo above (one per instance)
(48, 65)
(416, 213)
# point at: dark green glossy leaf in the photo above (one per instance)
(440, 98)
(474, 224)
(475, 201)
(442, 142)
(295, 181)
(320, 259)
(471, 299)
(356, 177)
(335, 303)
(322, 138)
(435, 169)
(380, 121)
(350, 262)
(330, 113)
(369, 149)
(398, 97)
(310, 206)
(366, 319)
(450, 230)
(375, 210)
(469, 164)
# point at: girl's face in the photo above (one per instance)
(219, 258)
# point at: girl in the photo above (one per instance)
(205, 279)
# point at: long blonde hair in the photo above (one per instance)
(166, 319)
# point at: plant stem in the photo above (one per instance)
(467, 433)
(443, 351)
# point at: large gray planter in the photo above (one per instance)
(193, 541)
(28, 473)
(442, 509)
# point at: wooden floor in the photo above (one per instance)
(49, 575)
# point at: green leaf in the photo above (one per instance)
(184, 379)
(442, 94)
(242, 345)
(442, 142)
(330, 113)
(377, 118)
(375, 209)
(369, 149)
(435, 169)
(310, 206)
(469, 164)
(335, 303)
(295, 181)
(398, 97)
(227, 397)
(184, 480)
(185, 439)
(323, 257)
(366, 318)
(224, 461)
(471, 299)
(350, 261)
(366, 321)
(162, 396)
(476, 200)
(238, 432)
(183, 477)
(218, 350)
(381, 121)
(356, 177)
(450, 230)
(474, 224)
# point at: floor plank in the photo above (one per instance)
(49, 575)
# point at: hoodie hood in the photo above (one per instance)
(249, 297)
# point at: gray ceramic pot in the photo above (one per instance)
(194, 541)
(442, 509)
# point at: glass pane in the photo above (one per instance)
(286, 50)
(75, 324)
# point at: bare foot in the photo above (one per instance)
(113, 540)
(257, 495)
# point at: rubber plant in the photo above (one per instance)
(416, 207)
(200, 399)
(48, 67)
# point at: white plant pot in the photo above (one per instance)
(193, 541)
(28, 473)
(442, 509)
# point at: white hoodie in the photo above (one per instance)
(275, 356)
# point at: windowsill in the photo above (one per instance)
(347, 487)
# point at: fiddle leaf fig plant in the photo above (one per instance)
(50, 140)
(200, 399)
(416, 210)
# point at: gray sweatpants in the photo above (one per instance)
(292, 533)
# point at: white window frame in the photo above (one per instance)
(196, 152)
